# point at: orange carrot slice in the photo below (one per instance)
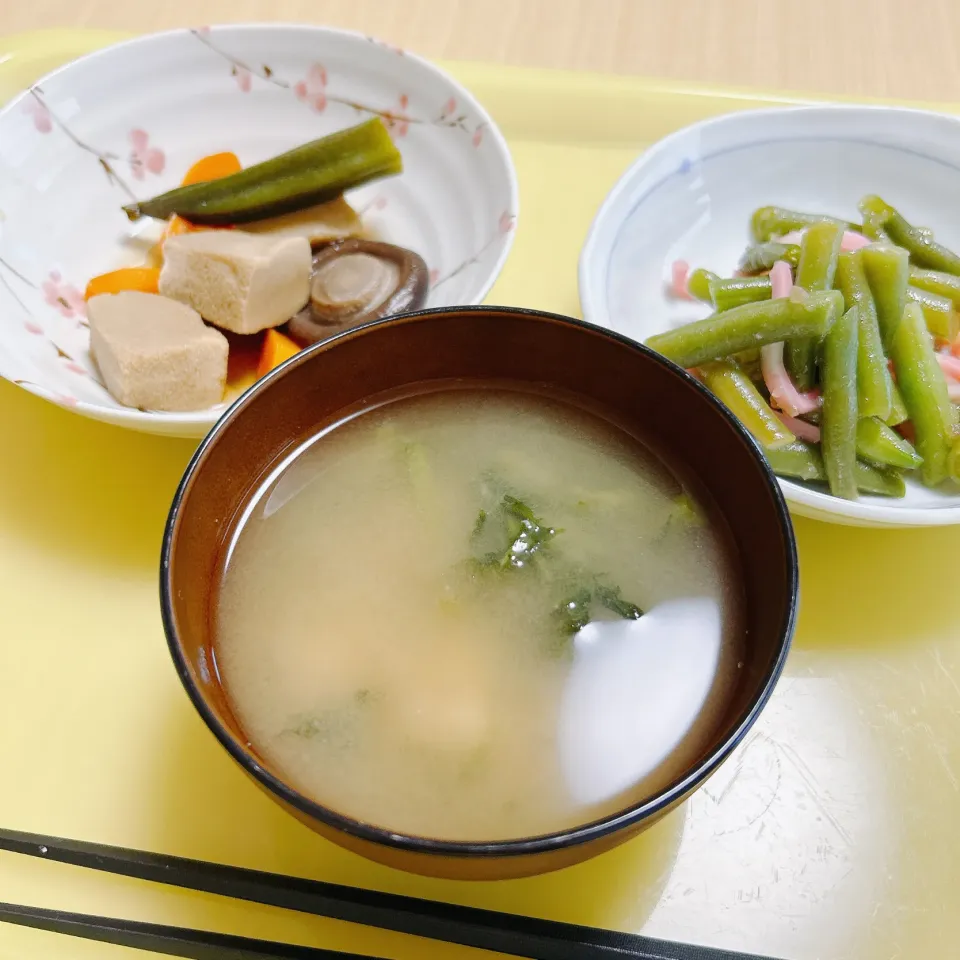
(176, 224)
(276, 348)
(143, 279)
(214, 167)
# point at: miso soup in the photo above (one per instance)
(478, 614)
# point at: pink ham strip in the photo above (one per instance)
(782, 390)
(679, 275)
(853, 241)
(800, 428)
(781, 280)
(949, 364)
(850, 240)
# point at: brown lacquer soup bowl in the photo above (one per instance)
(606, 374)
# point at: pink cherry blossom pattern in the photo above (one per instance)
(434, 276)
(67, 400)
(449, 109)
(75, 368)
(203, 29)
(67, 299)
(33, 328)
(399, 51)
(477, 137)
(506, 221)
(313, 89)
(144, 158)
(398, 123)
(243, 77)
(38, 111)
(380, 203)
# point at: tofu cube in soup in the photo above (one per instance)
(155, 353)
(238, 281)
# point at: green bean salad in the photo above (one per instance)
(837, 345)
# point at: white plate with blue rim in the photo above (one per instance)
(690, 197)
(127, 122)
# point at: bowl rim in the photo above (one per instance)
(130, 416)
(580, 834)
(593, 269)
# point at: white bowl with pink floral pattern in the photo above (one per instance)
(126, 122)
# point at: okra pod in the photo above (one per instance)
(768, 222)
(819, 250)
(802, 461)
(874, 384)
(923, 249)
(886, 268)
(732, 386)
(307, 175)
(924, 390)
(880, 445)
(838, 418)
(941, 317)
(752, 325)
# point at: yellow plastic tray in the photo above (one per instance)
(831, 834)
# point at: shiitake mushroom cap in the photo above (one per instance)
(334, 306)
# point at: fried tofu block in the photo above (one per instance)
(156, 353)
(239, 281)
(326, 221)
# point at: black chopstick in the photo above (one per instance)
(172, 941)
(508, 933)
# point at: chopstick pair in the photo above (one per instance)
(519, 936)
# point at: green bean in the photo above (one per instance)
(886, 268)
(749, 363)
(752, 325)
(309, 174)
(883, 483)
(802, 461)
(874, 384)
(872, 227)
(919, 243)
(797, 460)
(925, 393)
(953, 462)
(898, 409)
(875, 210)
(819, 250)
(838, 422)
(699, 282)
(768, 222)
(762, 256)
(942, 319)
(943, 284)
(732, 386)
(880, 445)
(735, 292)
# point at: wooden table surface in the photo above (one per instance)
(876, 48)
